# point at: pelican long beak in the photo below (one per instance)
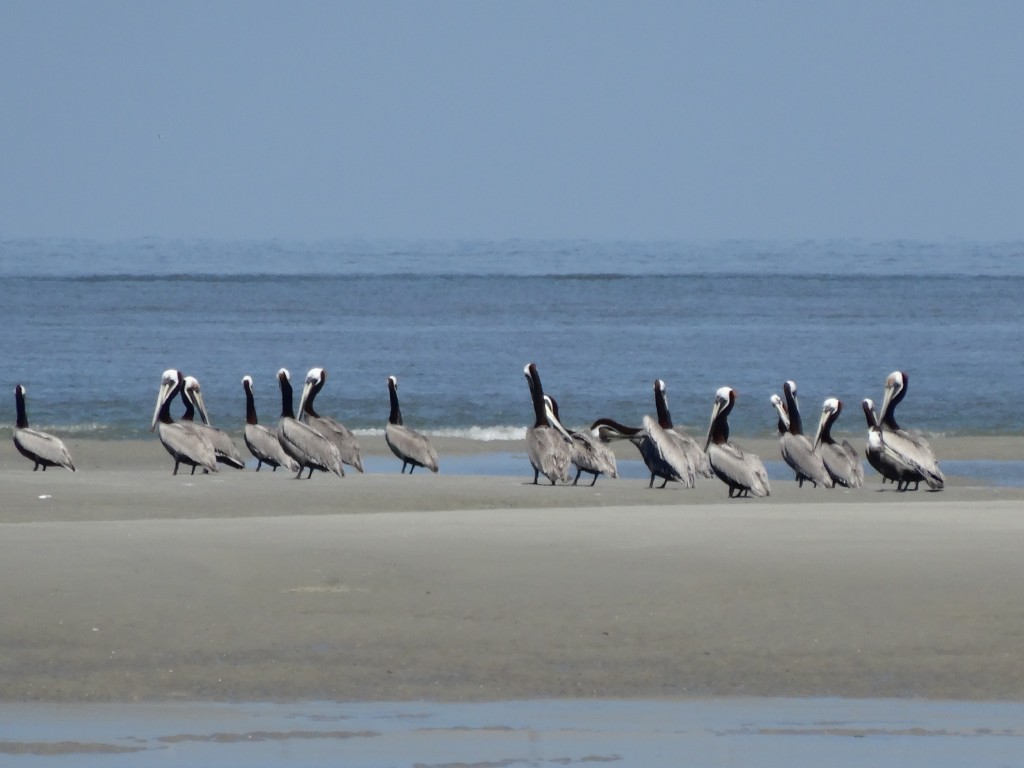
(196, 397)
(715, 409)
(161, 398)
(890, 392)
(306, 389)
(553, 420)
(781, 408)
(821, 428)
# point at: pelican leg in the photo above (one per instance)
(594, 480)
(536, 476)
(664, 483)
(411, 468)
(651, 484)
(259, 464)
(578, 473)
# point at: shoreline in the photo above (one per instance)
(123, 583)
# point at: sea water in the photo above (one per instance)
(89, 327)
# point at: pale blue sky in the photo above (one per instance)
(636, 120)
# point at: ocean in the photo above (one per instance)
(89, 327)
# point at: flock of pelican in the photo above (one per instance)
(304, 443)
(312, 441)
(898, 455)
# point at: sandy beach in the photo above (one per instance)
(123, 583)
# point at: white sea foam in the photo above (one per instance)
(483, 434)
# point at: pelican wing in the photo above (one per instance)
(223, 446)
(907, 453)
(410, 446)
(43, 448)
(843, 467)
(188, 446)
(308, 447)
(589, 455)
(698, 459)
(264, 445)
(800, 455)
(549, 452)
(739, 469)
(341, 436)
(668, 457)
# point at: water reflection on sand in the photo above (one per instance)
(715, 732)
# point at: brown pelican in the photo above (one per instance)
(743, 472)
(42, 448)
(333, 430)
(691, 448)
(796, 448)
(588, 453)
(407, 444)
(300, 441)
(263, 442)
(907, 449)
(875, 452)
(550, 451)
(184, 444)
(225, 448)
(661, 454)
(841, 459)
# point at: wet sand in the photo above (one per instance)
(123, 583)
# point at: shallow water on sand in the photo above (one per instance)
(715, 732)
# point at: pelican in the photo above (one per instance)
(874, 451)
(407, 444)
(300, 441)
(588, 454)
(691, 448)
(796, 448)
(184, 444)
(42, 448)
(661, 454)
(261, 441)
(223, 445)
(841, 459)
(550, 451)
(907, 449)
(333, 430)
(743, 472)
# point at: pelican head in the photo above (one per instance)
(869, 412)
(247, 382)
(830, 411)
(393, 381)
(195, 396)
(895, 390)
(725, 398)
(781, 408)
(315, 379)
(170, 382)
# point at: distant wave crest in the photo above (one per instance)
(483, 434)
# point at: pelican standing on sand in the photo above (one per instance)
(841, 459)
(225, 448)
(796, 448)
(875, 451)
(185, 445)
(588, 453)
(549, 450)
(300, 441)
(691, 448)
(907, 449)
(660, 453)
(262, 441)
(333, 430)
(743, 472)
(413, 448)
(40, 447)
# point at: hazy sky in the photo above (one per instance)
(637, 120)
